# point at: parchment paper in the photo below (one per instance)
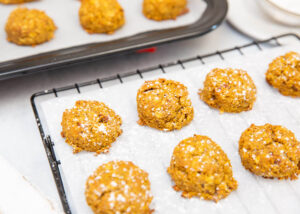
(70, 33)
(151, 149)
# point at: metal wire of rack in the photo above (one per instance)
(49, 144)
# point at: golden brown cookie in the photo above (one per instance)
(90, 126)
(199, 167)
(229, 90)
(101, 16)
(159, 10)
(164, 105)
(270, 151)
(119, 187)
(15, 1)
(29, 27)
(284, 74)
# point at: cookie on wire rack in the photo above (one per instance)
(229, 90)
(90, 126)
(164, 104)
(284, 74)
(119, 187)
(199, 167)
(270, 151)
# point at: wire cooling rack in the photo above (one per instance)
(39, 96)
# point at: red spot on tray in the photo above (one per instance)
(147, 50)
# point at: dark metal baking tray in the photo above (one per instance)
(38, 97)
(213, 16)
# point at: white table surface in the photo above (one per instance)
(21, 144)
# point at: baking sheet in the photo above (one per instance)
(70, 33)
(151, 149)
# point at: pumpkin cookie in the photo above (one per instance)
(15, 1)
(101, 16)
(119, 187)
(199, 167)
(229, 90)
(270, 151)
(164, 105)
(159, 10)
(29, 27)
(284, 74)
(90, 126)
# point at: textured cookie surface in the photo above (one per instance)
(199, 167)
(29, 27)
(229, 90)
(90, 126)
(284, 74)
(119, 187)
(270, 151)
(159, 10)
(164, 105)
(101, 16)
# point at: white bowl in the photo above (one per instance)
(279, 13)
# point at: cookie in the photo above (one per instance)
(270, 151)
(284, 74)
(164, 105)
(119, 187)
(90, 126)
(14, 1)
(160, 10)
(29, 27)
(101, 16)
(199, 167)
(229, 90)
